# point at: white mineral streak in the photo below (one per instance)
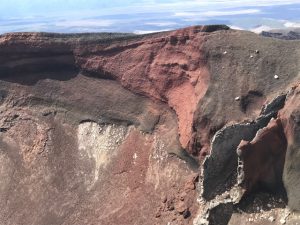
(98, 142)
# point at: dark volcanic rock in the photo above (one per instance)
(220, 169)
(221, 214)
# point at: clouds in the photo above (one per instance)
(62, 26)
(41, 7)
(148, 31)
(261, 28)
(162, 23)
(208, 14)
(144, 16)
(289, 24)
(245, 3)
(278, 24)
(85, 23)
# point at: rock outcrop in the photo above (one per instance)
(266, 153)
(163, 128)
(290, 116)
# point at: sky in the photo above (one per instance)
(144, 16)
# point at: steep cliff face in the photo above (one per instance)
(156, 129)
(290, 116)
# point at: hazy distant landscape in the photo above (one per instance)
(145, 16)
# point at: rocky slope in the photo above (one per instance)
(194, 126)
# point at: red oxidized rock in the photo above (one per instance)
(263, 157)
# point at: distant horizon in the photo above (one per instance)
(145, 16)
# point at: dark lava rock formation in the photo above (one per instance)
(194, 126)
